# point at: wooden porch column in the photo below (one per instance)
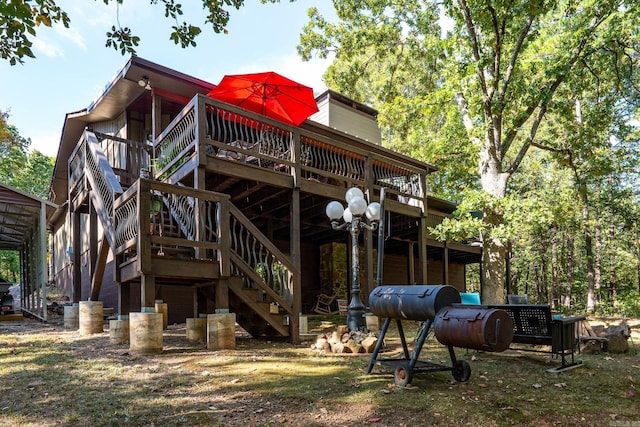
(445, 264)
(412, 265)
(76, 247)
(422, 248)
(199, 301)
(368, 238)
(124, 299)
(423, 238)
(222, 294)
(296, 257)
(156, 114)
(147, 291)
(296, 260)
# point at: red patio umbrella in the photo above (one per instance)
(269, 94)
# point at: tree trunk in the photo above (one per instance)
(543, 289)
(555, 270)
(597, 273)
(569, 281)
(613, 280)
(588, 243)
(494, 250)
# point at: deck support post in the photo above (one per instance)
(222, 294)
(148, 290)
(422, 248)
(76, 253)
(124, 299)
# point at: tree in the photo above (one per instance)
(19, 21)
(27, 171)
(501, 67)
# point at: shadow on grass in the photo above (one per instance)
(53, 377)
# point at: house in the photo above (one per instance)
(165, 193)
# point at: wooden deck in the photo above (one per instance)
(234, 196)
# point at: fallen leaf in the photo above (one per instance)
(560, 385)
(482, 385)
(474, 358)
(374, 420)
(235, 380)
(536, 385)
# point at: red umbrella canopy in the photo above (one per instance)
(269, 94)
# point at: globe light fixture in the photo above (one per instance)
(354, 217)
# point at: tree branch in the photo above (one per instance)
(514, 56)
(473, 38)
(546, 96)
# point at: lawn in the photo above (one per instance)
(54, 377)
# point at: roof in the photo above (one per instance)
(19, 212)
(120, 92)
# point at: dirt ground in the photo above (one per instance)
(89, 381)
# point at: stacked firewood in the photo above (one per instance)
(343, 341)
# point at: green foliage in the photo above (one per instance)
(10, 265)
(18, 23)
(19, 168)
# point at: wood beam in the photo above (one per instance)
(98, 271)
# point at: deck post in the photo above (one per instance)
(369, 180)
(411, 277)
(124, 299)
(222, 294)
(76, 253)
(422, 248)
(423, 240)
(147, 291)
(294, 321)
(445, 264)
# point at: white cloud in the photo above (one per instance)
(46, 47)
(73, 35)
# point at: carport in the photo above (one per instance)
(23, 228)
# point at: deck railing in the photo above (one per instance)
(126, 157)
(207, 127)
(163, 217)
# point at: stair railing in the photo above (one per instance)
(88, 167)
(259, 261)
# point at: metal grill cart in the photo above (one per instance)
(413, 302)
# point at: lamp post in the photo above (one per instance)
(354, 223)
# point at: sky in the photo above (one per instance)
(72, 66)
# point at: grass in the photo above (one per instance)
(53, 377)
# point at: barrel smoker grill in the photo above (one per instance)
(472, 327)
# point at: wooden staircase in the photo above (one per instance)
(178, 235)
(253, 311)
